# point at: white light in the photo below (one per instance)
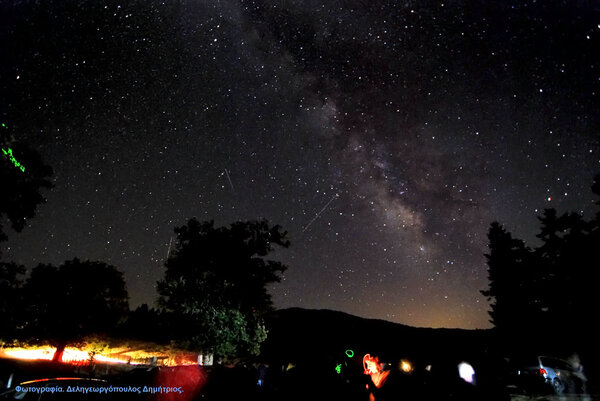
(466, 372)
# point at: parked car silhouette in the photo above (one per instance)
(557, 374)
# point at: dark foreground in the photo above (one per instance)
(285, 382)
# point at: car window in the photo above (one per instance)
(563, 365)
(524, 362)
(556, 363)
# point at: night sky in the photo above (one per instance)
(384, 136)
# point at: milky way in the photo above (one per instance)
(384, 136)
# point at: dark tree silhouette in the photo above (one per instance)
(215, 285)
(547, 294)
(19, 198)
(76, 300)
(11, 282)
(147, 324)
(568, 257)
(509, 274)
(20, 194)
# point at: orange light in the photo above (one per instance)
(83, 355)
(102, 358)
(373, 368)
(70, 355)
(74, 355)
(45, 353)
(370, 364)
(405, 366)
(59, 378)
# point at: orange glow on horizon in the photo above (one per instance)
(45, 353)
(70, 355)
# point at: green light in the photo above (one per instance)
(349, 353)
(12, 159)
(338, 368)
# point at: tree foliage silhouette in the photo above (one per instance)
(11, 299)
(67, 304)
(19, 197)
(508, 263)
(550, 288)
(151, 327)
(215, 285)
(20, 193)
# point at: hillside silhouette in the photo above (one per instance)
(297, 335)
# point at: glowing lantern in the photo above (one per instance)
(406, 366)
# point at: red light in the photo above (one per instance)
(191, 380)
(543, 372)
(374, 369)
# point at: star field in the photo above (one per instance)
(384, 136)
